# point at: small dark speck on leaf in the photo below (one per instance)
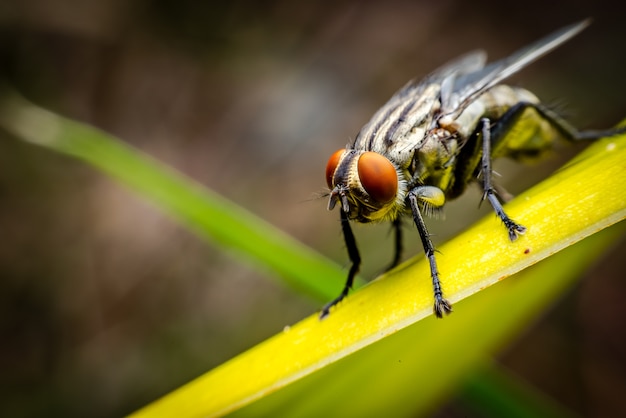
(527, 251)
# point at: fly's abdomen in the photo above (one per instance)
(527, 135)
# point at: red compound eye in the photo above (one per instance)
(378, 177)
(331, 166)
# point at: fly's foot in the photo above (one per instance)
(442, 306)
(326, 309)
(514, 229)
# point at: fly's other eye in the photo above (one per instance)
(378, 177)
(331, 166)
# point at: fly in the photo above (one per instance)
(433, 138)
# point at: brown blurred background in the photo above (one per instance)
(107, 304)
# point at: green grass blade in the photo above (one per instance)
(208, 214)
(412, 370)
(556, 217)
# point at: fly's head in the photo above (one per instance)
(367, 186)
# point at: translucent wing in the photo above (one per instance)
(455, 85)
(465, 64)
(402, 112)
(466, 87)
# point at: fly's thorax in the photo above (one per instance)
(366, 185)
(399, 127)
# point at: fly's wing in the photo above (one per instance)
(467, 87)
(468, 63)
(403, 110)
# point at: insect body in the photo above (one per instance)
(435, 136)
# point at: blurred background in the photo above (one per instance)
(106, 304)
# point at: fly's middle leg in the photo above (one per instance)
(489, 193)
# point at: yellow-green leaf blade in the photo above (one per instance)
(413, 369)
(579, 200)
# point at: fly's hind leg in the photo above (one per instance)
(569, 132)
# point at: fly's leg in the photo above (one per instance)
(514, 229)
(433, 196)
(355, 258)
(397, 252)
(569, 132)
(494, 142)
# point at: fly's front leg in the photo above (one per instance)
(514, 229)
(355, 258)
(430, 196)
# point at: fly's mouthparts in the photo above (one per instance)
(339, 194)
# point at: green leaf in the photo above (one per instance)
(407, 371)
(203, 211)
(413, 367)
(411, 370)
